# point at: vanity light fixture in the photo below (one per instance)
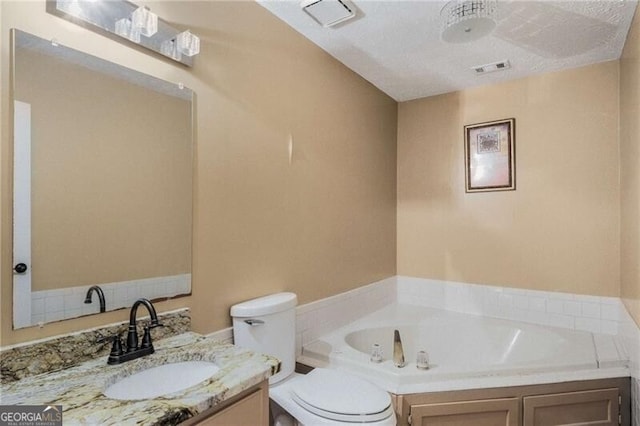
(125, 28)
(120, 19)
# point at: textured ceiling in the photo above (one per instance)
(396, 44)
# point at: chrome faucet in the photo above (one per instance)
(118, 355)
(98, 290)
(398, 352)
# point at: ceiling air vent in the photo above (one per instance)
(329, 12)
(496, 66)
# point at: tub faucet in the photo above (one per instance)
(98, 290)
(398, 352)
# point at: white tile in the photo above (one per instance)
(490, 297)
(37, 307)
(54, 316)
(587, 298)
(571, 308)
(609, 301)
(38, 295)
(563, 296)
(590, 310)
(521, 302)
(73, 301)
(120, 296)
(505, 300)
(73, 313)
(588, 324)
(53, 304)
(133, 293)
(609, 312)
(555, 306)
(36, 319)
(538, 304)
(559, 320)
(537, 317)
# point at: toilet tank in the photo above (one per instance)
(268, 325)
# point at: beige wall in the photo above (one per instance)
(320, 225)
(107, 189)
(559, 229)
(630, 169)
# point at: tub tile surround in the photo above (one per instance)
(66, 351)
(565, 310)
(80, 389)
(323, 316)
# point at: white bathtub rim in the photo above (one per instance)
(402, 381)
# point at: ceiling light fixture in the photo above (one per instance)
(467, 20)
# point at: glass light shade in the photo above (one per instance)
(188, 44)
(125, 29)
(468, 20)
(145, 21)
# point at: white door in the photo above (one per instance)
(22, 215)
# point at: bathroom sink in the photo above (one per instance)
(161, 380)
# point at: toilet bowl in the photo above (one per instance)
(322, 397)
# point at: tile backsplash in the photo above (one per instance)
(65, 303)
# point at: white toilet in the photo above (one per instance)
(322, 397)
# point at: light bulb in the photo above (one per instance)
(188, 44)
(145, 21)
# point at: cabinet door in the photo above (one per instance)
(251, 410)
(593, 408)
(488, 412)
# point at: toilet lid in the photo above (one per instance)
(340, 396)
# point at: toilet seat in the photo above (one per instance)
(326, 396)
(336, 396)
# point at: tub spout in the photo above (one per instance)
(398, 352)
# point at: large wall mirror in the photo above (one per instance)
(103, 167)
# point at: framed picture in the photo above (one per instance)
(489, 155)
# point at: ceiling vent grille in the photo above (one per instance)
(493, 67)
(329, 12)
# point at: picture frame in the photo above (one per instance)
(489, 153)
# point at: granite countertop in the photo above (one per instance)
(79, 389)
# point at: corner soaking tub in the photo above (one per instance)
(465, 351)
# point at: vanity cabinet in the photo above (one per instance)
(600, 407)
(250, 407)
(484, 412)
(592, 402)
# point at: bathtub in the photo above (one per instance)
(465, 351)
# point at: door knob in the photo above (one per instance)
(20, 268)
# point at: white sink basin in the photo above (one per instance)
(161, 380)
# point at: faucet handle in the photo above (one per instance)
(146, 338)
(116, 348)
